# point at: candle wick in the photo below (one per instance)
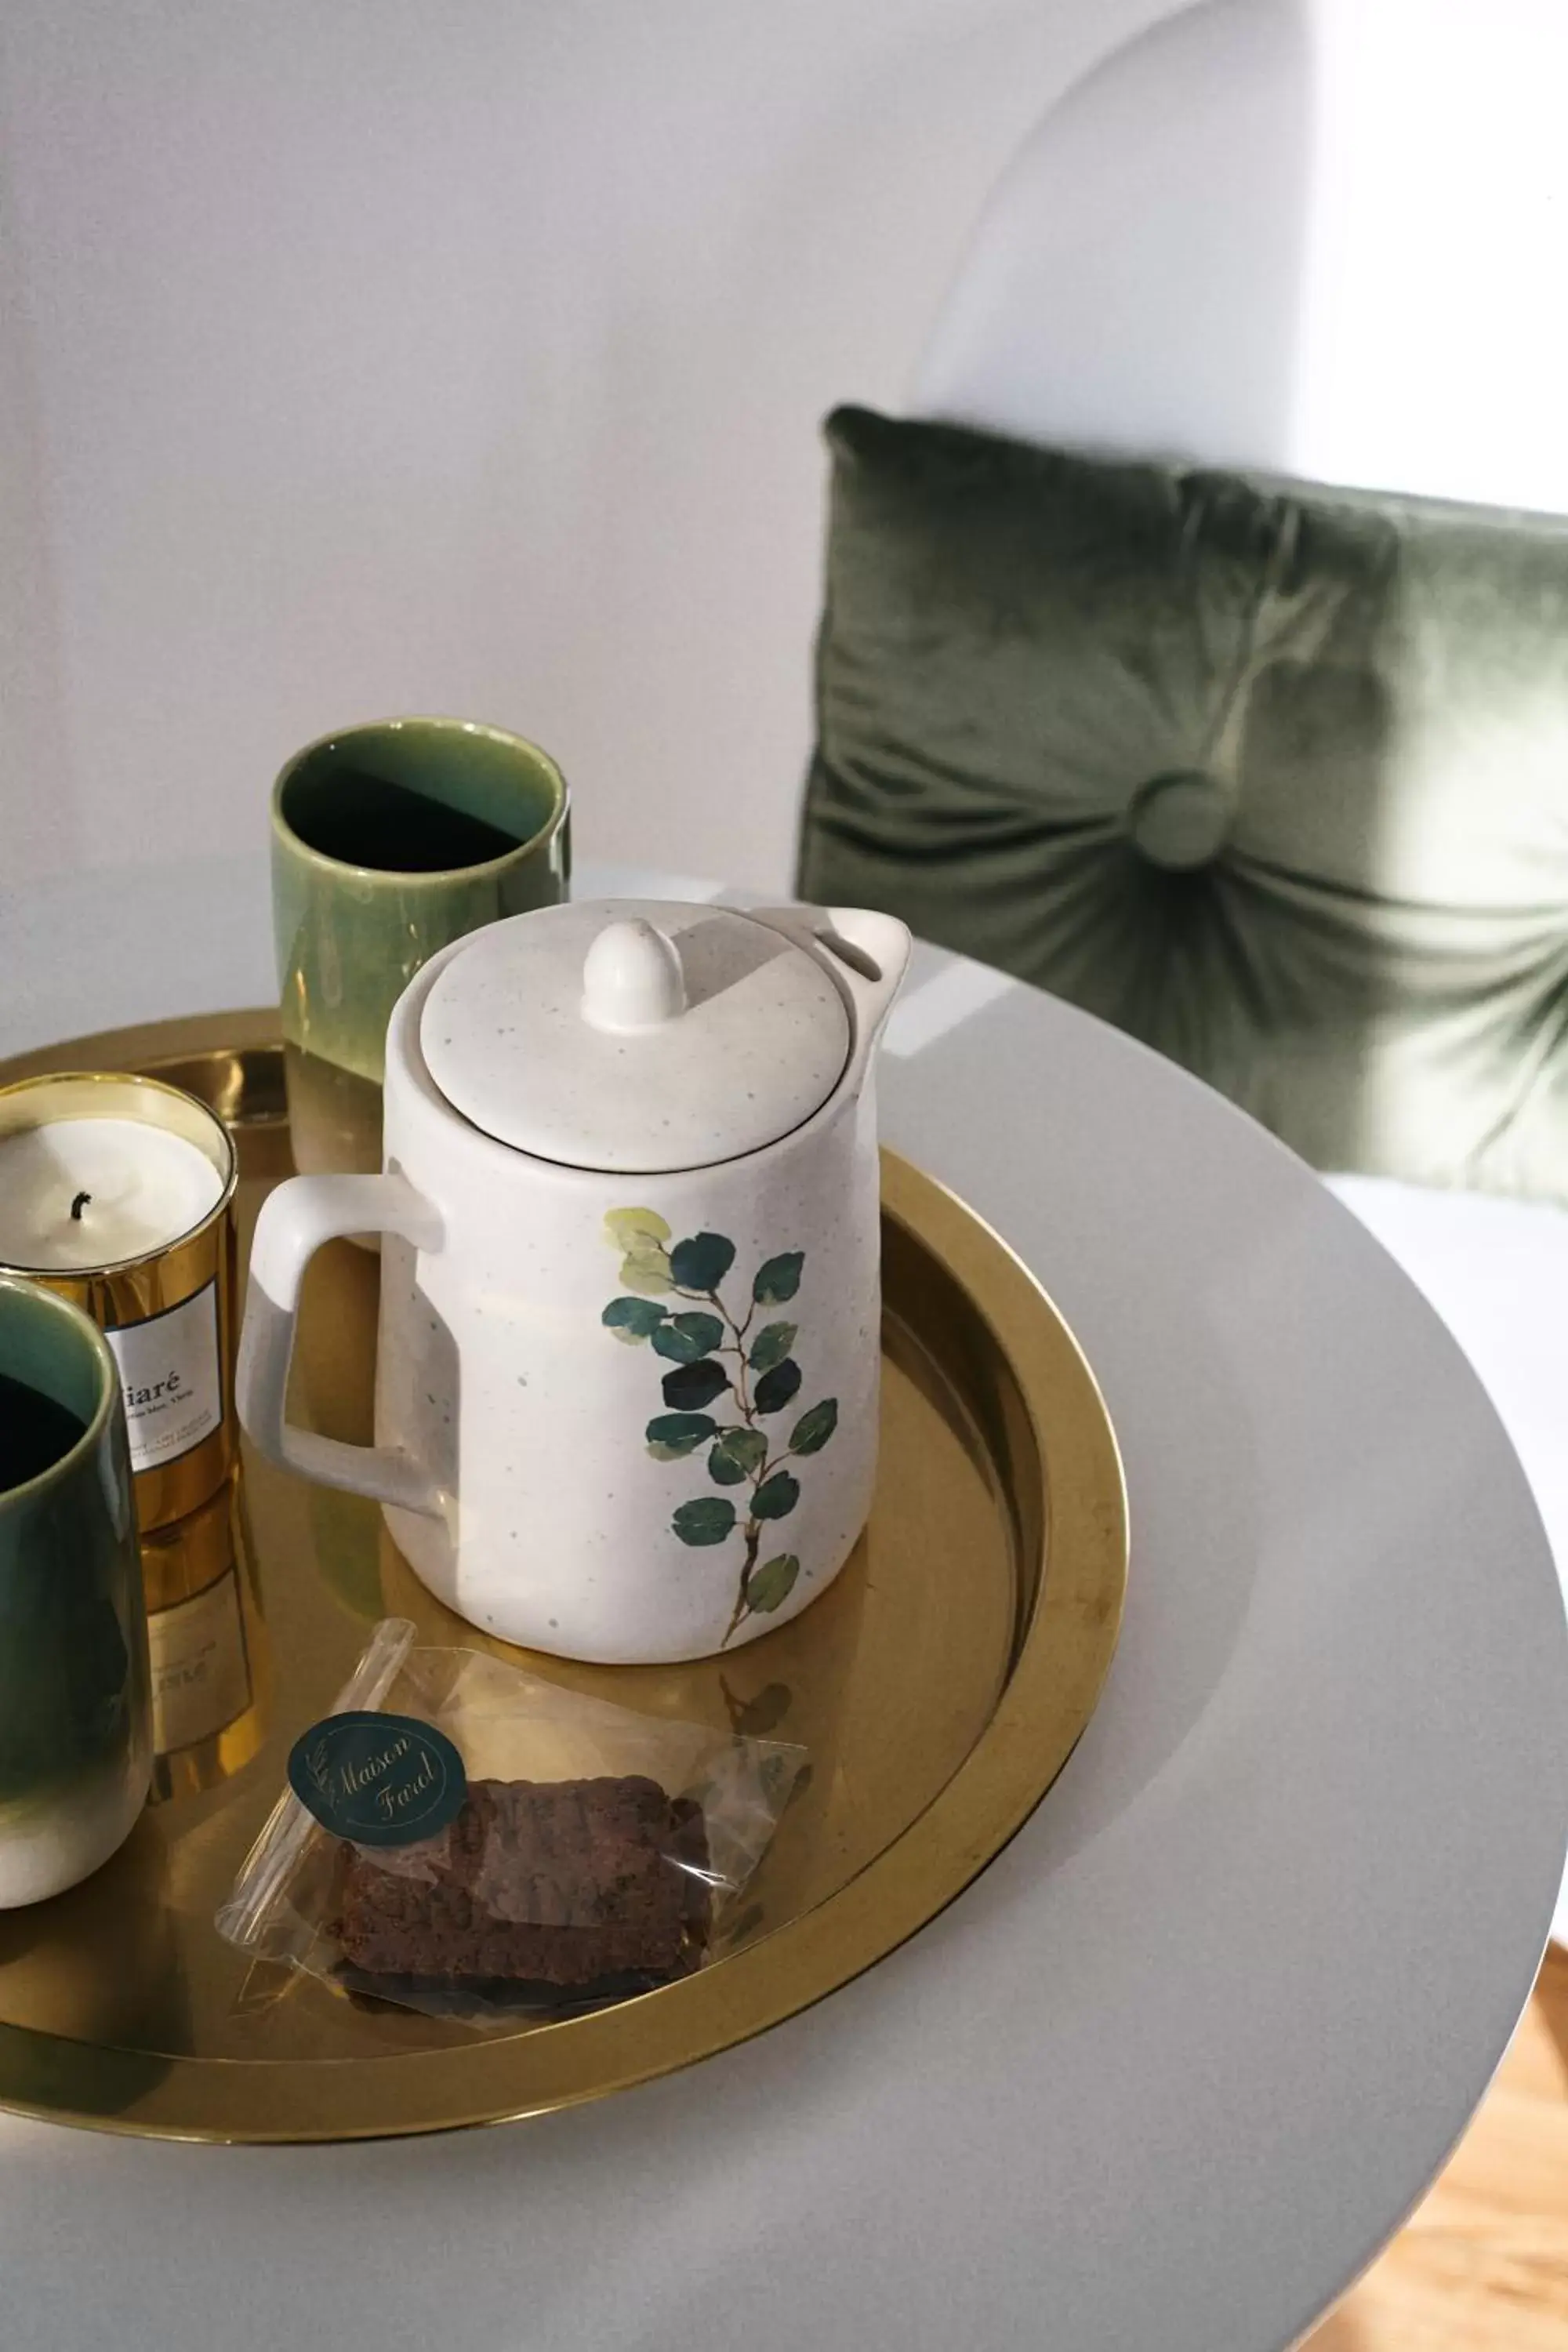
(78, 1206)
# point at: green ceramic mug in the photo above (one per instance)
(388, 842)
(76, 1747)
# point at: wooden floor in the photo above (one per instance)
(1483, 2265)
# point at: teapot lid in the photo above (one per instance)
(635, 1035)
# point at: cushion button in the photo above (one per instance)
(1179, 820)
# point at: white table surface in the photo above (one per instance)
(1172, 2071)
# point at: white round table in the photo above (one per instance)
(1179, 2062)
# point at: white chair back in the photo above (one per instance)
(1322, 238)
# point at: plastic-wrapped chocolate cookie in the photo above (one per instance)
(468, 1841)
(585, 1889)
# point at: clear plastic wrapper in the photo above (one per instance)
(584, 1852)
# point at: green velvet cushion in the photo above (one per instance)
(1274, 776)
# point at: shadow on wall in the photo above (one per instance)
(1268, 776)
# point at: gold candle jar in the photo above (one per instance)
(207, 1646)
(116, 1192)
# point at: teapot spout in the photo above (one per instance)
(868, 954)
(872, 950)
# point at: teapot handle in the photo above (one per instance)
(295, 1219)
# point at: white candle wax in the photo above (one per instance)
(144, 1187)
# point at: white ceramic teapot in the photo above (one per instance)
(627, 1363)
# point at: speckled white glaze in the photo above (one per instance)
(512, 1448)
(510, 1037)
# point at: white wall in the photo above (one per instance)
(360, 355)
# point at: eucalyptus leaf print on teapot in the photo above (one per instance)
(745, 1371)
(684, 1491)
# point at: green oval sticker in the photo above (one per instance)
(378, 1779)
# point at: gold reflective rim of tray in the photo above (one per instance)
(1030, 1425)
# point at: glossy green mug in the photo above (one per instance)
(76, 1746)
(388, 842)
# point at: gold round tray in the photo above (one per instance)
(938, 1685)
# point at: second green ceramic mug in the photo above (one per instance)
(388, 842)
(75, 1714)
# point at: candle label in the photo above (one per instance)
(172, 1380)
(201, 1673)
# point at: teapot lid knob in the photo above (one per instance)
(632, 978)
